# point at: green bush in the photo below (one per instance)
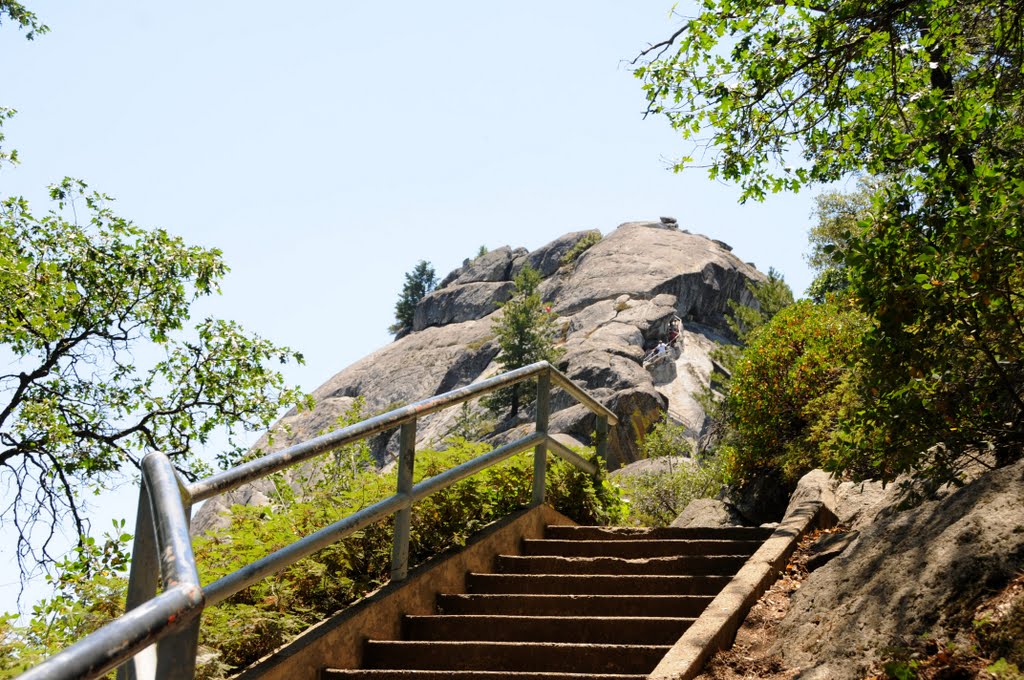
(89, 590)
(657, 497)
(264, 616)
(789, 390)
(579, 248)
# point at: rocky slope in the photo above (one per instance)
(907, 575)
(614, 302)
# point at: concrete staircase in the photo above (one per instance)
(582, 602)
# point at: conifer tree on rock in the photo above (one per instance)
(526, 334)
(420, 281)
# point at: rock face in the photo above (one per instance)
(905, 575)
(615, 301)
(708, 512)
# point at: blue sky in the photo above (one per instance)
(326, 147)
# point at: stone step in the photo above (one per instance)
(620, 630)
(575, 605)
(598, 533)
(377, 674)
(697, 565)
(632, 549)
(558, 657)
(594, 584)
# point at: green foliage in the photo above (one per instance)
(902, 670)
(580, 247)
(782, 403)
(772, 296)
(657, 497)
(471, 424)
(15, 12)
(78, 304)
(666, 439)
(926, 94)
(1004, 670)
(944, 364)
(482, 251)
(838, 216)
(526, 334)
(1003, 638)
(262, 617)
(420, 281)
(89, 590)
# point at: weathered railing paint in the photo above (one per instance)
(158, 635)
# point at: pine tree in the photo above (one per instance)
(526, 334)
(420, 281)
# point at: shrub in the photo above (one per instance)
(579, 248)
(657, 497)
(266, 615)
(789, 389)
(278, 607)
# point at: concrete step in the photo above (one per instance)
(377, 674)
(697, 565)
(619, 630)
(594, 584)
(657, 533)
(575, 605)
(632, 549)
(548, 657)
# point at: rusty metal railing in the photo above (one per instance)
(156, 638)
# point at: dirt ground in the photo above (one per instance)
(749, 657)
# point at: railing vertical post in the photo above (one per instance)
(403, 518)
(176, 653)
(540, 452)
(143, 580)
(601, 438)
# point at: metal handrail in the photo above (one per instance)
(158, 635)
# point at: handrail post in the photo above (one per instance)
(176, 653)
(403, 518)
(601, 438)
(540, 452)
(143, 581)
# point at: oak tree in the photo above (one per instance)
(780, 94)
(102, 364)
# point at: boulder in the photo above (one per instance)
(651, 466)
(495, 265)
(457, 303)
(762, 499)
(548, 258)
(589, 318)
(708, 512)
(651, 317)
(828, 547)
(637, 410)
(855, 505)
(910, 573)
(644, 260)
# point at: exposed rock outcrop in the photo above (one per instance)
(615, 300)
(708, 512)
(907, 574)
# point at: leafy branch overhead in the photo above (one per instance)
(105, 367)
(925, 96)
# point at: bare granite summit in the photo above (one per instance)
(615, 301)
